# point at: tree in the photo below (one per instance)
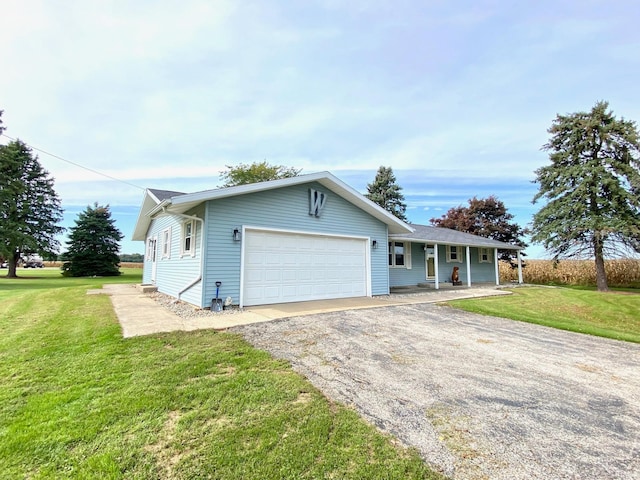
(93, 244)
(29, 207)
(592, 188)
(386, 192)
(131, 258)
(485, 217)
(256, 172)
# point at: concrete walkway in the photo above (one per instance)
(139, 314)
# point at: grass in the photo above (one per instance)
(615, 314)
(79, 401)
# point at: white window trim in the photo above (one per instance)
(148, 251)
(485, 251)
(192, 246)
(459, 254)
(166, 243)
(406, 247)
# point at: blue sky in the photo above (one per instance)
(456, 97)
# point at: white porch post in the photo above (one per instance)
(468, 266)
(495, 256)
(435, 265)
(519, 267)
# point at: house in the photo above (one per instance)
(308, 237)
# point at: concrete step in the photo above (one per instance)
(147, 288)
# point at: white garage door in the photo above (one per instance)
(287, 267)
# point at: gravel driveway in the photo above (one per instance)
(478, 397)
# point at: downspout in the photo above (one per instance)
(199, 277)
(197, 219)
(497, 268)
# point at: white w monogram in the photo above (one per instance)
(316, 202)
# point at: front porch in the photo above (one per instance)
(431, 257)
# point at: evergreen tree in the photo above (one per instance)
(386, 192)
(29, 207)
(256, 172)
(93, 244)
(485, 217)
(592, 188)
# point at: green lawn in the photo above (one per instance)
(614, 314)
(78, 401)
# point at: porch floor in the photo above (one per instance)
(426, 287)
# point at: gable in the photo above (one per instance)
(182, 203)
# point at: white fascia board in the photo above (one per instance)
(216, 193)
(185, 202)
(395, 225)
(149, 202)
(498, 244)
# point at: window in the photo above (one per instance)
(484, 255)
(166, 243)
(187, 239)
(400, 254)
(150, 249)
(454, 254)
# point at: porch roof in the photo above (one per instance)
(446, 236)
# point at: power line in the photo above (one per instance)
(75, 164)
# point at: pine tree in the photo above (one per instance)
(93, 244)
(592, 188)
(29, 207)
(386, 192)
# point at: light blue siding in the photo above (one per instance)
(480, 272)
(400, 276)
(286, 209)
(175, 272)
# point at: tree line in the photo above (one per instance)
(591, 190)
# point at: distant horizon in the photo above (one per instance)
(420, 207)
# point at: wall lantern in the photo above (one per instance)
(374, 244)
(236, 234)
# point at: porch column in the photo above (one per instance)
(468, 266)
(495, 255)
(519, 268)
(435, 265)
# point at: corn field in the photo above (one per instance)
(620, 273)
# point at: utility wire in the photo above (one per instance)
(74, 163)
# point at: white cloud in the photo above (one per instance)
(167, 93)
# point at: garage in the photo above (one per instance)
(281, 267)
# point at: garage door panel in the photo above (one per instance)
(254, 258)
(272, 276)
(254, 277)
(281, 267)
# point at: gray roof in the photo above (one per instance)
(446, 236)
(164, 194)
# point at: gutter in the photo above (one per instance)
(197, 219)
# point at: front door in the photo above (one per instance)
(430, 260)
